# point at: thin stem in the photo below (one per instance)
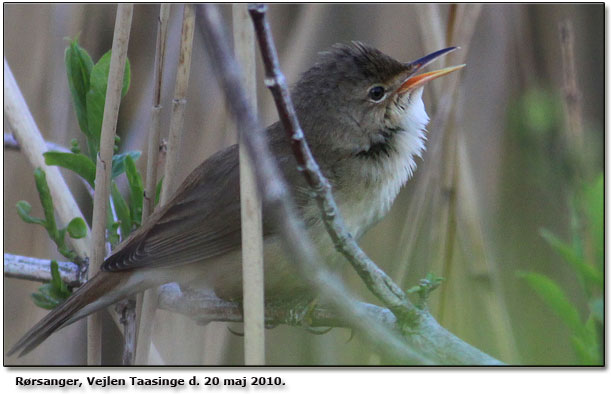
(178, 104)
(103, 166)
(251, 220)
(572, 93)
(154, 131)
(152, 163)
(431, 28)
(149, 301)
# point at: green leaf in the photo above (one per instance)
(77, 162)
(122, 210)
(118, 161)
(553, 295)
(56, 235)
(43, 301)
(47, 202)
(51, 294)
(95, 112)
(61, 244)
(113, 235)
(23, 210)
(96, 97)
(77, 228)
(587, 272)
(59, 286)
(78, 70)
(56, 279)
(136, 190)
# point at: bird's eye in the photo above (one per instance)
(377, 93)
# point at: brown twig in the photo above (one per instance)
(377, 281)
(103, 166)
(295, 238)
(274, 191)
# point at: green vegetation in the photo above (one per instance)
(87, 82)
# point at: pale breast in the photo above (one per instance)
(381, 179)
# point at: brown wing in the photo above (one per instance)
(203, 218)
(188, 228)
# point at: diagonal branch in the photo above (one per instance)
(275, 192)
(376, 279)
(410, 318)
(33, 146)
(433, 342)
(205, 308)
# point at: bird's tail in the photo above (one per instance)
(86, 300)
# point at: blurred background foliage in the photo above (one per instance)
(525, 223)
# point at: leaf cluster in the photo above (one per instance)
(51, 294)
(76, 228)
(87, 83)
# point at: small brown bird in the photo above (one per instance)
(364, 119)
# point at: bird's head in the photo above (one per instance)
(356, 97)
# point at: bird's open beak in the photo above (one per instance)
(415, 81)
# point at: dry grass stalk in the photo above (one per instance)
(179, 103)
(154, 131)
(154, 136)
(572, 93)
(461, 212)
(442, 191)
(102, 180)
(252, 225)
(431, 27)
(149, 301)
(33, 146)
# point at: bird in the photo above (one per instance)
(363, 117)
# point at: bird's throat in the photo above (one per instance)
(382, 148)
